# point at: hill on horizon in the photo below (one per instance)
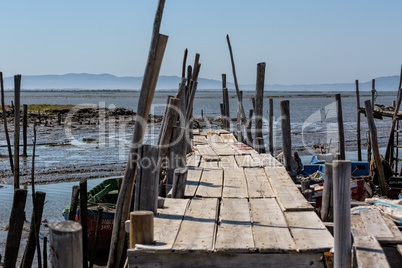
(85, 81)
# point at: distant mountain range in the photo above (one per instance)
(84, 81)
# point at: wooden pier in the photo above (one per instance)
(240, 209)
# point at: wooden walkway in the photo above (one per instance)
(241, 209)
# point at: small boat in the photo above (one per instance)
(358, 186)
(103, 194)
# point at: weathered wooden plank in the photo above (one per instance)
(209, 164)
(279, 177)
(374, 223)
(197, 140)
(197, 231)
(308, 231)
(214, 138)
(242, 148)
(234, 183)
(271, 233)
(221, 131)
(228, 161)
(142, 259)
(193, 180)
(167, 224)
(290, 199)
(223, 148)
(210, 183)
(246, 161)
(234, 232)
(369, 252)
(228, 138)
(193, 160)
(266, 160)
(257, 183)
(206, 149)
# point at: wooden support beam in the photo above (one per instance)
(358, 138)
(342, 229)
(84, 221)
(341, 134)
(179, 182)
(65, 238)
(327, 194)
(147, 180)
(24, 129)
(124, 201)
(374, 144)
(259, 100)
(3, 107)
(286, 135)
(141, 227)
(243, 114)
(271, 126)
(17, 98)
(16, 224)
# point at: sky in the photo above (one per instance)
(301, 41)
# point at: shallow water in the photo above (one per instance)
(313, 119)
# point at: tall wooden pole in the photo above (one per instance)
(359, 142)
(17, 98)
(390, 142)
(24, 129)
(84, 221)
(271, 126)
(374, 145)
(259, 101)
(3, 107)
(235, 79)
(342, 235)
(340, 127)
(286, 138)
(151, 73)
(373, 94)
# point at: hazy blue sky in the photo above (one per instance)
(302, 41)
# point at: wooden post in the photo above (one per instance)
(359, 142)
(34, 230)
(340, 126)
(374, 144)
(253, 101)
(259, 100)
(124, 201)
(239, 119)
(3, 107)
(16, 224)
(368, 146)
(225, 94)
(259, 145)
(84, 220)
(327, 193)
(45, 252)
(74, 203)
(373, 94)
(17, 92)
(95, 244)
(235, 80)
(342, 234)
(271, 126)
(248, 128)
(286, 138)
(179, 182)
(65, 238)
(147, 180)
(24, 129)
(169, 119)
(141, 227)
(388, 152)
